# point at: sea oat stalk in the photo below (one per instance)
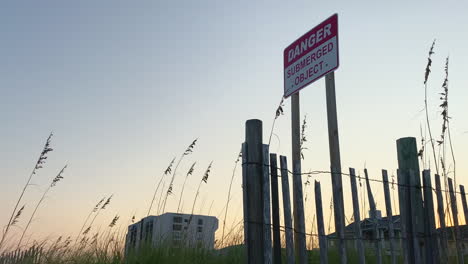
(446, 119)
(39, 164)
(203, 180)
(97, 213)
(94, 210)
(426, 76)
(114, 221)
(190, 172)
(278, 113)
(239, 156)
(187, 152)
(52, 184)
(166, 172)
(17, 216)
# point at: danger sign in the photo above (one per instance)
(311, 56)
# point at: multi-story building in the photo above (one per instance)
(172, 229)
(368, 228)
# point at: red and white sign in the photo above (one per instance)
(311, 56)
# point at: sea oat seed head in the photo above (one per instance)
(17, 216)
(207, 173)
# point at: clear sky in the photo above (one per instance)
(126, 85)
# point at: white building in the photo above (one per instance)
(173, 230)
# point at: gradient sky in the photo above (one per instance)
(126, 85)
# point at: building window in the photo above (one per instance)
(177, 219)
(200, 221)
(176, 227)
(199, 229)
(176, 235)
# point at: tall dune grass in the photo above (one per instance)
(52, 184)
(39, 165)
(167, 172)
(239, 156)
(189, 172)
(187, 151)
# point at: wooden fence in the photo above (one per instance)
(410, 237)
(29, 256)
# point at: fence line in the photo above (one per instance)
(318, 172)
(415, 226)
(415, 234)
(30, 256)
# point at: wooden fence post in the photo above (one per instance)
(404, 207)
(267, 253)
(465, 207)
(244, 195)
(287, 211)
(321, 227)
(275, 209)
(427, 228)
(373, 216)
(408, 164)
(357, 217)
(298, 198)
(298, 214)
(255, 236)
(388, 207)
(417, 236)
(432, 255)
(442, 229)
(453, 202)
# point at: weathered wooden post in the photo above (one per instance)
(465, 207)
(388, 207)
(254, 197)
(299, 215)
(453, 202)
(417, 237)
(298, 197)
(432, 254)
(404, 208)
(321, 227)
(408, 165)
(244, 197)
(335, 164)
(442, 229)
(373, 216)
(287, 211)
(267, 250)
(275, 209)
(357, 217)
